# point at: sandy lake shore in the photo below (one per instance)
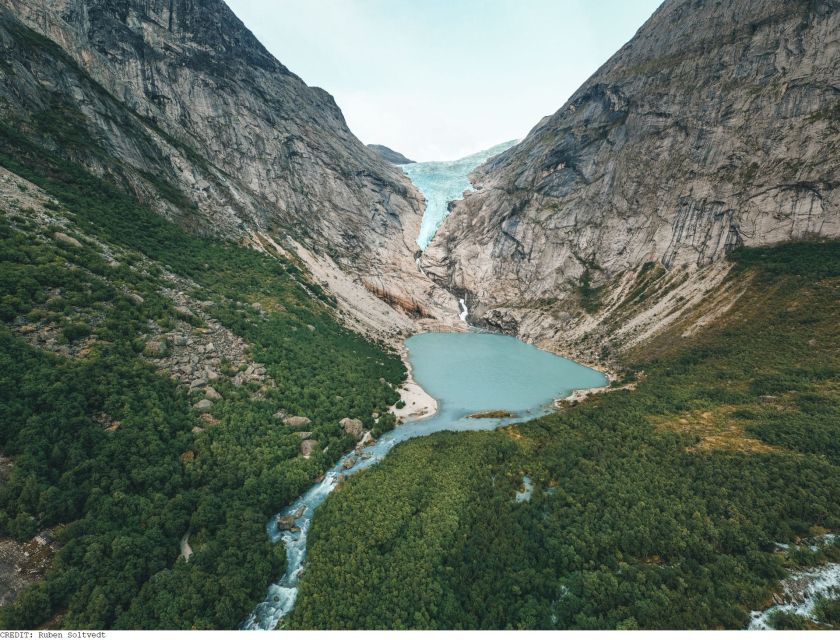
(418, 403)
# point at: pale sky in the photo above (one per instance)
(440, 79)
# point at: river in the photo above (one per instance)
(467, 373)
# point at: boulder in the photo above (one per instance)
(212, 394)
(347, 464)
(136, 299)
(297, 421)
(203, 405)
(66, 240)
(304, 435)
(287, 522)
(367, 440)
(308, 447)
(352, 426)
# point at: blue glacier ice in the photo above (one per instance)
(444, 181)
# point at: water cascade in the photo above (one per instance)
(464, 311)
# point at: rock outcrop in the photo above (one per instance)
(716, 126)
(388, 154)
(353, 427)
(180, 104)
(308, 447)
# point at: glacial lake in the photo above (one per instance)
(466, 373)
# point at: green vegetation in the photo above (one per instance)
(784, 621)
(107, 446)
(590, 297)
(653, 508)
(828, 612)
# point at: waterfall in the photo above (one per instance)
(464, 310)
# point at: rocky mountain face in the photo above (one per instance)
(716, 126)
(394, 157)
(179, 103)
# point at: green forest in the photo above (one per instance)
(654, 508)
(121, 500)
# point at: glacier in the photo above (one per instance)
(440, 182)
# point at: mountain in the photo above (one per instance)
(181, 105)
(390, 155)
(189, 236)
(716, 126)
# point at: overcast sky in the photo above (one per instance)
(440, 79)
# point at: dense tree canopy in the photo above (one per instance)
(652, 508)
(128, 496)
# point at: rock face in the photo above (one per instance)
(179, 103)
(394, 157)
(716, 126)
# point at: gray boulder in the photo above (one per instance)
(308, 447)
(353, 427)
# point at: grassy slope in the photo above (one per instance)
(653, 508)
(129, 496)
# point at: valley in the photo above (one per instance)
(466, 373)
(256, 374)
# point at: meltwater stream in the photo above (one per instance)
(467, 373)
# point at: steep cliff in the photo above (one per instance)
(179, 103)
(394, 157)
(716, 126)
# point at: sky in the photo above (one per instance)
(441, 79)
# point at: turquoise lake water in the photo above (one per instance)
(466, 373)
(470, 372)
(443, 181)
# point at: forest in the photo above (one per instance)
(660, 507)
(121, 499)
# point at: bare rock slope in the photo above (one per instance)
(179, 102)
(394, 157)
(716, 126)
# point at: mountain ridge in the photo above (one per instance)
(184, 107)
(394, 157)
(711, 129)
